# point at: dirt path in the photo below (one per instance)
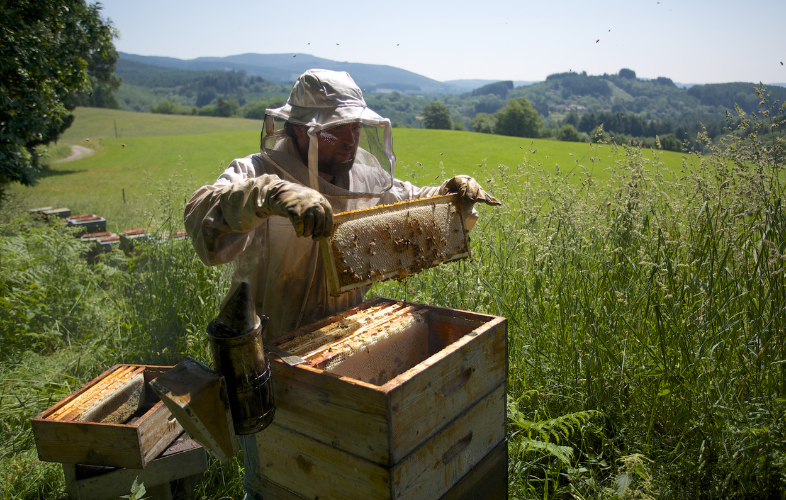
(77, 152)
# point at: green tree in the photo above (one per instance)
(568, 133)
(437, 116)
(458, 124)
(255, 110)
(223, 108)
(483, 123)
(518, 119)
(48, 53)
(209, 110)
(571, 118)
(164, 108)
(669, 142)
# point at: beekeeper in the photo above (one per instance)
(321, 153)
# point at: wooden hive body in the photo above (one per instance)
(64, 432)
(412, 436)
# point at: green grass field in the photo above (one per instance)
(152, 150)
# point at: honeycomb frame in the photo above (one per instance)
(393, 241)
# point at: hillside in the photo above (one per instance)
(659, 99)
(284, 68)
(628, 107)
(151, 150)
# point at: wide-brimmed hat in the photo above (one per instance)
(322, 98)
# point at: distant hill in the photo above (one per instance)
(284, 68)
(470, 85)
(246, 84)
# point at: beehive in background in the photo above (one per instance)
(393, 241)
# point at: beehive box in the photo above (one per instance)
(413, 432)
(78, 429)
(393, 241)
(87, 223)
(61, 213)
(183, 460)
(488, 480)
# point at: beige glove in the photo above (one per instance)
(469, 190)
(246, 204)
(308, 210)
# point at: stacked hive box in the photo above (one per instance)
(114, 430)
(87, 223)
(413, 432)
(114, 421)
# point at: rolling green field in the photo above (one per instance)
(153, 150)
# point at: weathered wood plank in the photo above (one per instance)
(197, 397)
(435, 391)
(314, 469)
(350, 415)
(157, 429)
(131, 445)
(102, 483)
(437, 465)
(384, 423)
(311, 469)
(488, 480)
(273, 491)
(87, 442)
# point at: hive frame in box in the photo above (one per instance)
(414, 437)
(130, 446)
(384, 250)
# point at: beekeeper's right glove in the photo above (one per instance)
(247, 203)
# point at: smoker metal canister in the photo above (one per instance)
(236, 346)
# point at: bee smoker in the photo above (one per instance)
(236, 346)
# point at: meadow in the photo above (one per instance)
(644, 293)
(153, 149)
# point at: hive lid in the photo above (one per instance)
(393, 241)
(197, 397)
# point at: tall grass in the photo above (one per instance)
(655, 305)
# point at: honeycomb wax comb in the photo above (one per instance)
(393, 241)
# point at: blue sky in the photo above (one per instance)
(687, 41)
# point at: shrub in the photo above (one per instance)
(483, 123)
(568, 133)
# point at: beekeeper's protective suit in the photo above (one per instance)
(259, 211)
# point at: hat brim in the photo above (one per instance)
(323, 118)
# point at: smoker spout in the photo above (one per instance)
(238, 315)
(236, 346)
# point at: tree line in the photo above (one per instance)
(626, 106)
